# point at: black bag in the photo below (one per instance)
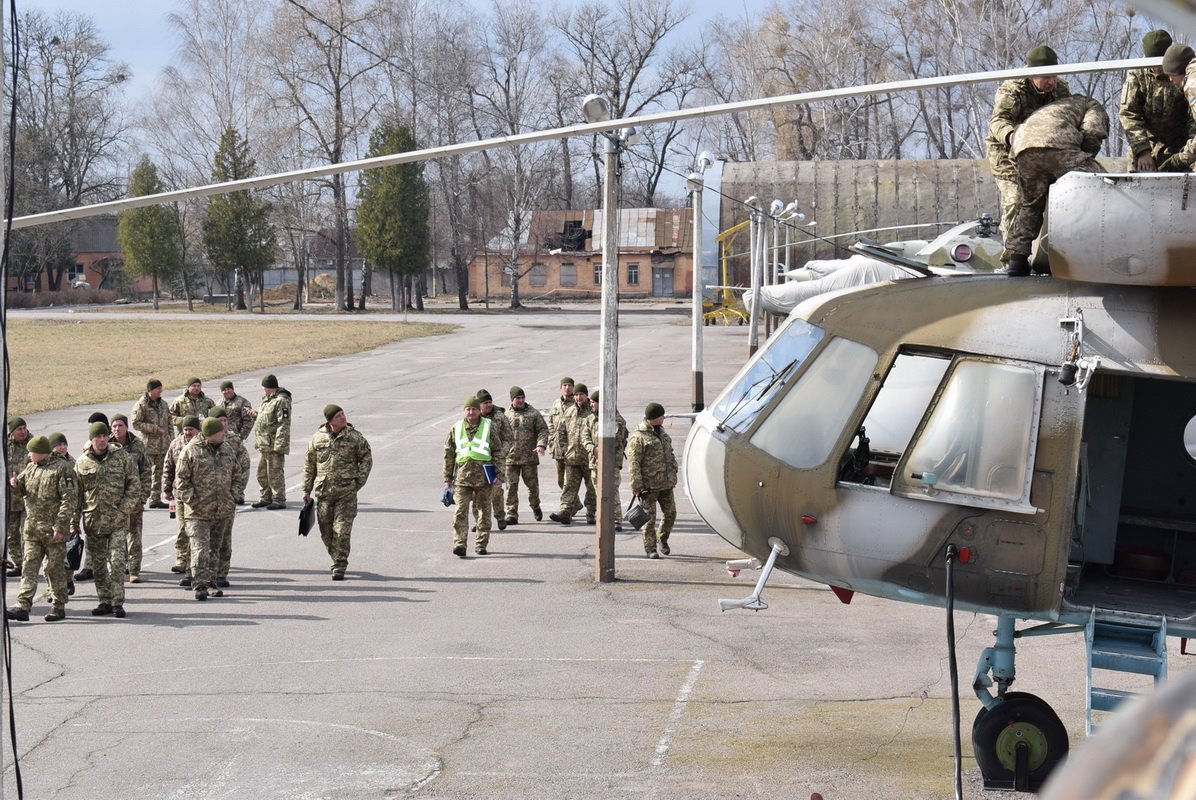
(307, 516)
(636, 516)
(74, 551)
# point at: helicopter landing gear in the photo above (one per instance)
(1018, 742)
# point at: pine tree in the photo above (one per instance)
(151, 237)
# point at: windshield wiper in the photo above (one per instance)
(747, 392)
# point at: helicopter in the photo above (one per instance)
(1033, 438)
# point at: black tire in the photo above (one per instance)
(1020, 717)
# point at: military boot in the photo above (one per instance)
(57, 613)
(17, 613)
(1019, 265)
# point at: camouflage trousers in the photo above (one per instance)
(531, 478)
(108, 551)
(225, 559)
(16, 521)
(182, 545)
(570, 500)
(335, 517)
(204, 536)
(560, 474)
(668, 510)
(1009, 197)
(271, 480)
(479, 498)
(39, 547)
(156, 462)
(1037, 169)
(135, 542)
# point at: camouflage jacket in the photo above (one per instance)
(337, 464)
(589, 439)
(170, 463)
(148, 416)
(1062, 125)
(1187, 153)
(506, 435)
(205, 477)
(651, 462)
(568, 432)
(1016, 101)
(188, 406)
(237, 445)
(555, 414)
(1154, 114)
(51, 496)
(239, 421)
(272, 434)
(137, 453)
(18, 456)
(528, 431)
(109, 489)
(467, 472)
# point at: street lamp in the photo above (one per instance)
(696, 183)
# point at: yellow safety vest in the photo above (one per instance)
(477, 448)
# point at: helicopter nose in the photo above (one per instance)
(705, 479)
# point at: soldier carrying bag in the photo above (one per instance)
(636, 516)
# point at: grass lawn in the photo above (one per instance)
(56, 364)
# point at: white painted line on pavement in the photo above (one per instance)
(666, 741)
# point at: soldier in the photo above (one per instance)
(559, 406)
(1062, 137)
(337, 465)
(110, 490)
(125, 439)
(205, 481)
(182, 549)
(589, 440)
(653, 467)
(273, 441)
(498, 419)
(529, 440)
(62, 453)
(86, 573)
(18, 457)
(1016, 101)
(234, 443)
(577, 461)
(1154, 111)
(470, 446)
(51, 502)
(1180, 67)
(151, 418)
(192, 403)
(240, 412)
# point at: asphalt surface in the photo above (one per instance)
(508, 676)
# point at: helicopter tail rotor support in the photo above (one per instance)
(753, 601)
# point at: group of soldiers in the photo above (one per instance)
(491, 449)
(192, 453)
(1039, 131)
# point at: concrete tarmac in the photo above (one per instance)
(513, 675)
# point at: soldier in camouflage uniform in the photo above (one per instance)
(529, 440)
(1059, 138)
(205, 481)
(110, 491)
(51, 500)
(192, 403)
(1154, 112)
(61, 452)
(151, 419)
(128, 441)
(1179, 65)
(18, 457)
(273, 441)
(506, 437)
(577, 461)
(233, 442)
(182, 549)
(555, 414)
(589, 440)
(653, 467)
(337, 465)
(471, 444)
(240, 412)
(1016, 101)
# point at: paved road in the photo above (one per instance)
(510, 676)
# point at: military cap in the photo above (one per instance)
(226, 385)
(270, 382)
(1155, 43)
(39, 444)
(194, 381)
(1175, 60)
(217, 411)
(331, 410)
(594, 396)
(211, 425)
(581, 388)
(153, 383)
(472, 402)
(97, 429)
(567, 380)
(57, 439)
(517, 391)
(1042, 56)
(483, 396)
(98, 416)
(15, 423)
(653, 410)
(191, 422)
(120, 417)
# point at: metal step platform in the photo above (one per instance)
(1125, 643)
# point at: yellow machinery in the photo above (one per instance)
(726, 306)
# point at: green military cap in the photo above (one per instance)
(653, 410)
(472, 402)
(96, 429)
(594, 396)
(483, 396)
(217, 411)
(153, 383)
(194, 381)
(57, 439)
(331, 410)
(581, 388)
(211, 425)
(270, 382)
(1042, 56)
(120, 417)
(1155, 43)
(98, 416)
(15, 423)
(226, 385)
(517, 391)
(39, 444)
(191, 422)
(566, 380)
(1175, 60)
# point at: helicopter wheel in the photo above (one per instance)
(1020, 718)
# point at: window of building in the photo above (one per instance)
(633, 274)
(598, 274)
(75, 272)
(504, 275)
(539, 275)
(568, 274)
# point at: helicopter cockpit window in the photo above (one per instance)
(803, 428)
(764, 375)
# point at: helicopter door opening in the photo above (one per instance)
(1134, 545)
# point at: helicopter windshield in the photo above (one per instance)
(764, 375)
